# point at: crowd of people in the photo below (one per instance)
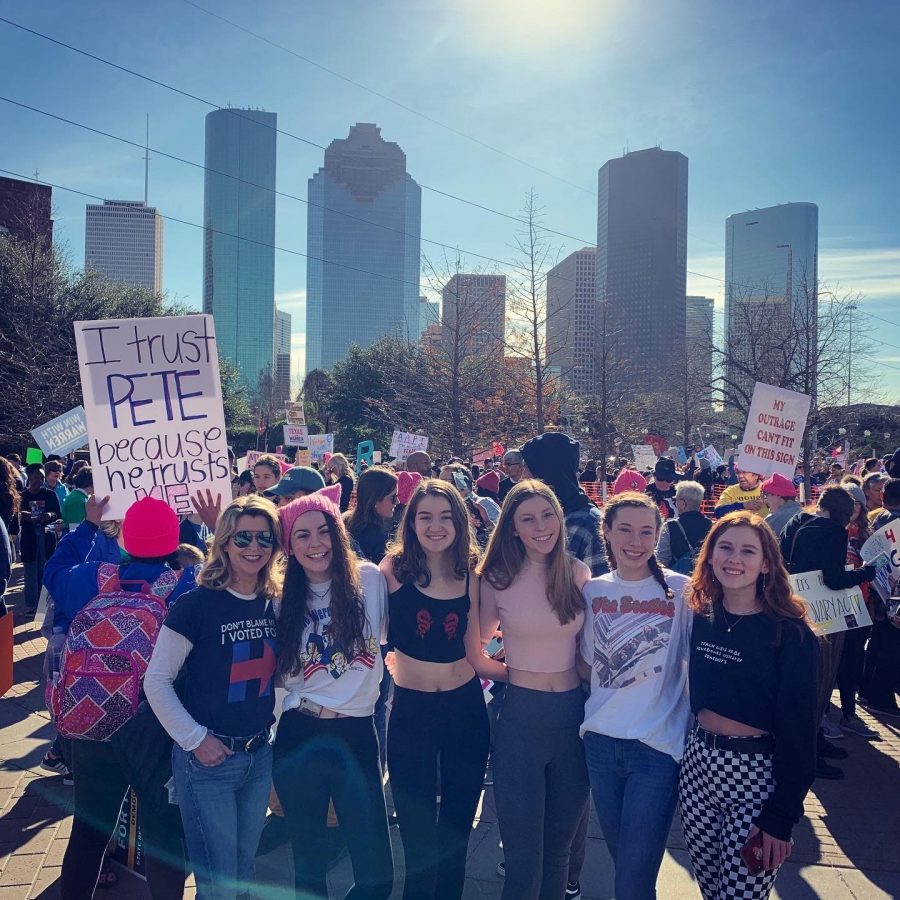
(259, 670)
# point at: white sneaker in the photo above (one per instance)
(830, 730)
(855, 725)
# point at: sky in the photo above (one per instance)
(770, 102)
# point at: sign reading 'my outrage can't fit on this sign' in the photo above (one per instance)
(153, 402)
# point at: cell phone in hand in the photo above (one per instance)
(494, 647)
(752, 854)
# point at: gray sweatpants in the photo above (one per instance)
(540, 787)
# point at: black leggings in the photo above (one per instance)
(139, 754)
(447, 729)
(850, 668)
(317, 760)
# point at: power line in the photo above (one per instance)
(387, 98)
(277, 130)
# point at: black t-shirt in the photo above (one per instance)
(227, 681)
(39, 502)
(767, 680)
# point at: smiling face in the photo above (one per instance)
(632, 534)
(311, 545)
(537, 525)
(737, 559)
(433, 524)
(263, 477)
(247, 562)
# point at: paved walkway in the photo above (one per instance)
(846, 847)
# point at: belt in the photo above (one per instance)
(647, 673)
(244, 744)
(757, 744)
(317, 711)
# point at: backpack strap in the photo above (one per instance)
(165, 584)
(687, 543)
(108, 578)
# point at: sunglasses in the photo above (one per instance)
(265, 539)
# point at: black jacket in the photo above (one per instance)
(811, 542)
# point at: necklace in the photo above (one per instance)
(728, 625)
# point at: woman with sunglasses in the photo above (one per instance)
(439, 717)
(219, 641)
(370, 519)
(333, 617)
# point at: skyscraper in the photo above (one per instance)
(699, 340)
(362, 276)
(25, 210)
(239, 236)
(642, 260)
(123, 241)
(429, 314)
(571, 298)
(283, 354)
(771, 278)
(473, 310)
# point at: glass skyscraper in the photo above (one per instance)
(239, 236)
(362, 275)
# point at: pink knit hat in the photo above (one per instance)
(150, 528)
(779, 486)
(489, 481)
(406, 484)
(325, 501)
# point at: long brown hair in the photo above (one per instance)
(9, 491)
(348, 611)
(773, 591)
(505, 554)
(372, 487)
(634, 500)
(406, 553)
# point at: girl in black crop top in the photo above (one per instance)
(750, 757)
(439, 717)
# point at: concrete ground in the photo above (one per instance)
(846, 846)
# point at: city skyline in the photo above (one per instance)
(700, 84)
(123, 241)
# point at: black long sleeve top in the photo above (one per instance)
(812, 542)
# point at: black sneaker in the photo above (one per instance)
(826, 770)
(827, 750)
(573, 890)
(53, 763)
(68, 778)
(274, 834)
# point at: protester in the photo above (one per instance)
(370, 519)
(73, 508)
(749, 760)
(702, 474)
(10, 496)
(298, 481)
(890, 503)
(339, 469)
(439, 721)
(873, 488)
(16, 462)
(681, 538)
(662, 489)
(39, 507)
(635, 645)
(746, 494)
(513, 462)
(6, 561)
(245, 485)
(780, 497)
(483, 512)
(629, 479)
(488, 485)
(589, 472)
(139, 753)
(266, 473)
(532, 589)
(222, 637)
(52, 474)
(333, 616)
(419, 461)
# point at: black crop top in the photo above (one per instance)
(428, 629)
(767, 680)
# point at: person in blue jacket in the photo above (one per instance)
(138, 755)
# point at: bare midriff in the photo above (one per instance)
(551, 682)
(431, 677)
(717, 724)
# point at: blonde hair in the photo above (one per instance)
(343, 464)
(216, 574)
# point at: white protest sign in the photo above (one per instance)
(253, 456)
(63, 434)
(403, 443)
(319, 445)
(885, 540)
(295, 415)
(295, 435)
(644, 456)
(153, 402)
(829, 610)
(711, 455)
(774, 431)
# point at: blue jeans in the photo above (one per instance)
(635, 789)
(223, 809)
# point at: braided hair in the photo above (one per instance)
(634, 500)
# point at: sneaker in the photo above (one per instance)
(53, 763)
(831, 731)
(827, 750)
(68, 778)
(501, 868)
(855, 725)
(573, 890)
(826, 770)
(889, 709)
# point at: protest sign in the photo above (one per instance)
(63, 434)
(318, 445)
(365, 453)
(405, 442)
(252, 457)
(153, 403)
(33, 455)
(295, 435)
(885, 540)
(830, 611)
(644, 456)
(303, 458)
(295, 414)
(774, 431)
(711, 455)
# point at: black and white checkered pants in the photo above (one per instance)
(721, 792)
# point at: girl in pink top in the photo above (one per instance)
(531, 587)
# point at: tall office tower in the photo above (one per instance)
(123, 241)
(362, 276)
(473, 310)
(571, 296)
(429, 314)
(642, 261)
(771, 287)
(25, 210)
(699, 340)
(239, 237)
(283, 355)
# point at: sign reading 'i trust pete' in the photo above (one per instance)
(153, 402)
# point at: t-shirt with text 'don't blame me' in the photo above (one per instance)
(637, 643)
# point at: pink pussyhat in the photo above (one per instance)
(324, 501)
(406, 484)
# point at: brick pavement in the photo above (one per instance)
(846, 847)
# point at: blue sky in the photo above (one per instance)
(771, 102)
